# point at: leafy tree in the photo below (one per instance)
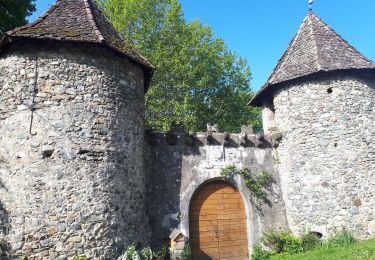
(13, 13)
(198, 79)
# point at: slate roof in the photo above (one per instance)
(78, 21)
(315, 48)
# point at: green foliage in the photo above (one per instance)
(255, 183)
(364, 250)
(186, 253)
(260, 254)
(13, 13)
(340, 238)
(133, 253)
(282, 242)
(80, 258)
(161, 254)
(229, 171)
(23, 257)
(146, 254)
(310, 241)
(198, 79)
(264, 178)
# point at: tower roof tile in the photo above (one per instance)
(315, 48)
(78, 21)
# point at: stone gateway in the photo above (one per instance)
(79, 175)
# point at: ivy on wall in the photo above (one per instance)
(256, 183)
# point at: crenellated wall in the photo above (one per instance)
(179, 163)
(327, 154)
(72, 175)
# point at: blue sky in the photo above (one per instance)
(260, 30)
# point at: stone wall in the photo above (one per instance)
(327, 155)
(71, 152)
(179, 163)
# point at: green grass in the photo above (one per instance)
(361, 250)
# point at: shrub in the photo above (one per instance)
(291, 244)
(260, 254)
(132, 253)
(340, 238)
(310, 241)
(274, 240)
(186, 253)
(161, 254)
(285, 242)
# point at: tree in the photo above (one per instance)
(198, 80)
(13, 13)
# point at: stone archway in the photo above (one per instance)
(218, 228)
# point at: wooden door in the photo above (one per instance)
(218, 223)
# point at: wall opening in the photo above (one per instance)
(217, 220)
(317, 234)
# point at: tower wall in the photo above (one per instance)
(327, 154)
(72, 172)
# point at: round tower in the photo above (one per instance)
(321, 98)
(72, 178)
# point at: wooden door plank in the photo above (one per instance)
(211, 234)
(233, 242)
(218, 223)
(242, 257)
(230, 216)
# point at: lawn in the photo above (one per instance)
(359, 250)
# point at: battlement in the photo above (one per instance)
(177, 136)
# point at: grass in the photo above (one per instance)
(357, 251)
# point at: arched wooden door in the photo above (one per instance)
(218, 223)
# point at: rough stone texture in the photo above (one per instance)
(268, 118)
(178, 168)
(327, 155)
(76, 184)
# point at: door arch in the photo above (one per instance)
(217, 220)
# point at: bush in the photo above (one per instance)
(291, 244)
(132, 253)
(282, 242)
(310, 241)
(161, 254)
(285, 242)
(260, 254)
(340, 238)
(186, 253)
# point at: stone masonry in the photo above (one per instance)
(327, 156)
(79, 175)
(320, 97)
(72, 145)
(180, 163)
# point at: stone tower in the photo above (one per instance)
(72, 176)
(321, 97)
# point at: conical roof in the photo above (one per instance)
(315, 48)
(77, 21)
